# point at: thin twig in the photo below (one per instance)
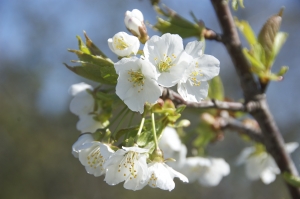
(230, 123)
(211, 35)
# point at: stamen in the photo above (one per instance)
(120, 44)
(137, 79)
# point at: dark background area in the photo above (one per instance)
(37, 130)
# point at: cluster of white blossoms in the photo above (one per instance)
(208, 171)
(164, 63)
(129, 165)
(83, 105)
(260, 164)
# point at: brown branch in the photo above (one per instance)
(230, 106)
(272, 137)
(178, 100)
(229, 123)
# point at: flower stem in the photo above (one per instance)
(122, 120)
(154, 131)
(141, 127)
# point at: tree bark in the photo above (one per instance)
(252, 92)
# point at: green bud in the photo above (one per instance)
(267, 35)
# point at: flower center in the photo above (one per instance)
(152, 180)
(193, 76)
(95, 159)
(119, 43)
(137, 79)
(165, 64)
(127, 164)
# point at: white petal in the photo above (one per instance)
(123, 44)
(81, 140)
(267, 176)
(138, 14)
(87, 123)
(243, 156)
(195, 48)
(94, 156)
(208, 65)
(255, 166)
(291, 147)
(135, 95)
(193, 93)
(82, 104)
(75, 89)
(142, 175)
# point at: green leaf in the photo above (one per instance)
(293, 180)
(175, 24)
(95, 68)
(236, 3)
(205, 134)
(283, 70)
(278, 42)
(267, 36)
(247, 31)
(256, 64)
(216, 90)
(94, 64)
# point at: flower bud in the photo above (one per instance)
(123, 44)
(134, 22)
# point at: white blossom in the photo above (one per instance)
(137, 83)
(261, 164)
(193, 86)
(161, 176)
(83, 102)
(166, 53)
(93, 156)
(81, 140)
(123, 44)
(87, 123)
(208, 171)
(134, 20)
(129, 165)
(172, 147)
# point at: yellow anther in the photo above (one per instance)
(120, 44)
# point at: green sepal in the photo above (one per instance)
(82, 47)
(291, 179)
(216, 89)
(93, 66)
(93, 49)
(175, 24)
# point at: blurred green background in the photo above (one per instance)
(37, 130)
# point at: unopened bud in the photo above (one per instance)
(134, 22)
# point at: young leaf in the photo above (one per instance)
(278, 42)
(247, 31)
(216, 90)
(175, 24)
